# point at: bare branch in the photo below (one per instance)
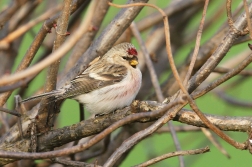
(177, 153)
(156, 85)
(52, 57)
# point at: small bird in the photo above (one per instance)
(109, 83)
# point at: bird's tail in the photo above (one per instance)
(44, 95)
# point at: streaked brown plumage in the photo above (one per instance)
(109, 83)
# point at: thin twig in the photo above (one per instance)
(149, 64)
(172, 8)
(180, 128)
(231, 63)
(94, 26)
(10, 11)
(12, 112)
(70, 42)
(224, 70)
(15, 85)
(173, 154)
(248, 18)
(230, 100)
(231, 22)
(223, 78)
(104, 148)
(24, 28)
(155, 84)
(215, 141)
(216, 129)
(208, 23)
(74, 163)
(197, 44)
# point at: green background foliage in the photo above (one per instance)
(159, 144)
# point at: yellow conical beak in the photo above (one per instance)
(133, 62)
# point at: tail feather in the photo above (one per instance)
(44, 95)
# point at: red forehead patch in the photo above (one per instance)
(132, 51)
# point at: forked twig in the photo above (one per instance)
(248, 18)
(231, 22)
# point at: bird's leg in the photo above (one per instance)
(82, 115)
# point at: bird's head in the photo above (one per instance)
(124, 53)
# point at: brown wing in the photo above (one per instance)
(93, 78)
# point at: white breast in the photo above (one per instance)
(113, 97)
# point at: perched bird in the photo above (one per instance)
(112, 82)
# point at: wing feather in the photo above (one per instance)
(95, 77)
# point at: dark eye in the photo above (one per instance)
(125, 57)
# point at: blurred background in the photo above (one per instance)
(183, 42)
